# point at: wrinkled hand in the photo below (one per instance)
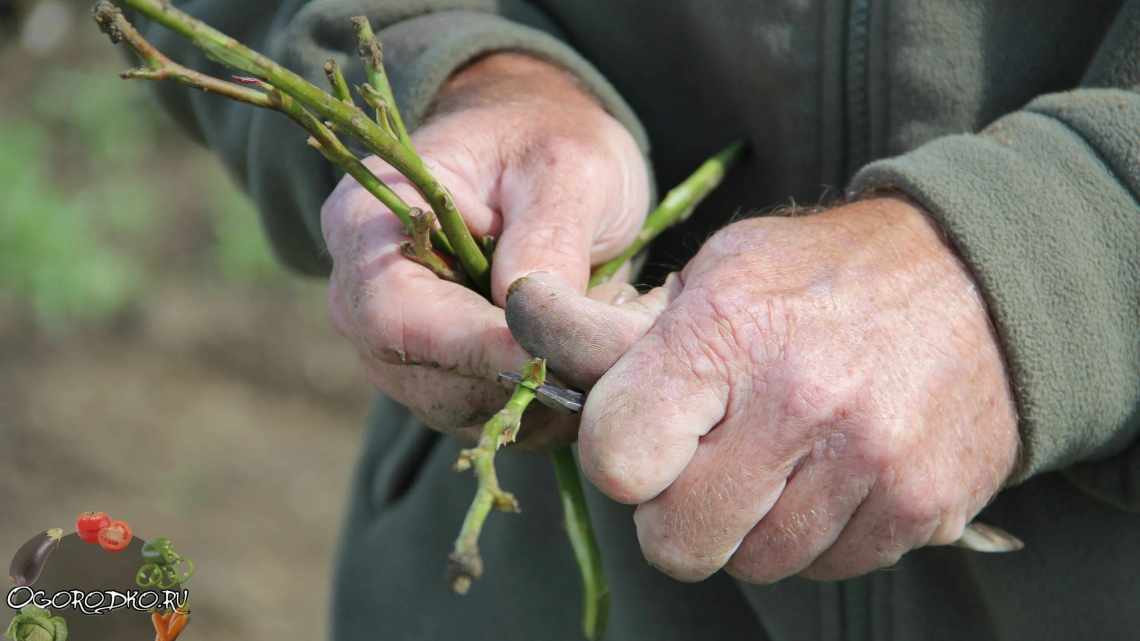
(530, 159)
(813, 395)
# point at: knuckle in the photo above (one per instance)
(757, 569)
(803, 399)
(778, 548)
(753, 326)
(608, 467)
(950, 528)
(693, 337)
(628, 472)
(382, 332)
(916, 513)
(557, 238)
(567, 152)
(746, 237)
(663, 552)
(834, 566)
(875, 448)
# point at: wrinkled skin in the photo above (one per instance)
(531, 159)
(812, 395)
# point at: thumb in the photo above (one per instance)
(566, 206)
(545, 228)
(580, 337)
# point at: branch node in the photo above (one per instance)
(420, 249)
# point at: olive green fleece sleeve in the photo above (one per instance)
(1044, 206)
(425, 41)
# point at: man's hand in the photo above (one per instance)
(530, 159)
(813, 395)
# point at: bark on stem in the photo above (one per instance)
(157, 66)
(345, 117)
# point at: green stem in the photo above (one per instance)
(372, 55)
(159, 67)
(345, 117)
(337, 82)
(595, 590)
(340, 155)
(465, 563)
(677, 205)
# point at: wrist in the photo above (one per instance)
(511, 78)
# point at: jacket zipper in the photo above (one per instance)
(857, 104)
(853, 600)
(853, 594)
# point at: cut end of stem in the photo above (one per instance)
(463, 568)
(367, 45)
(107, 17)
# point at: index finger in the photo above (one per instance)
(645, 417)
(401, 312)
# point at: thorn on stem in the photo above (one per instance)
(506, 502)
(463, 463)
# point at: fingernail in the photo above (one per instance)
(625, 294)
(547, 280)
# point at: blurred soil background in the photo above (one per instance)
(155, 363)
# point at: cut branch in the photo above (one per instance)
(337, 82)
(158, 66)
(345, 117)
(465, 563)
(372, 55)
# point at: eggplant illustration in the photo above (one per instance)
(30, 559)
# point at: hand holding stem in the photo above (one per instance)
(555, 213)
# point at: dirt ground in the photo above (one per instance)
(228, 423)
(218, 410)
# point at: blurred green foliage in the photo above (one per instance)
(85, 199)
(50, 255)
(241, 251)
